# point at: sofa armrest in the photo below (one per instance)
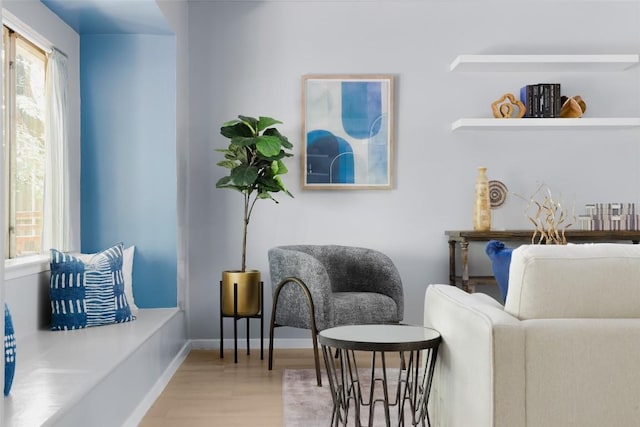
(480, 371)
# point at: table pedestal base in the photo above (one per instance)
(406, 395)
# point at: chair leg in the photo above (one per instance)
(316, 356)
(271, 327)
(312, 320)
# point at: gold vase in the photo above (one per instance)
(248, 292)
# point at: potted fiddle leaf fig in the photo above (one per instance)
(255, 168)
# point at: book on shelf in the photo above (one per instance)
(613, 223)
(610, 216)
(610, 209)
(541, 100)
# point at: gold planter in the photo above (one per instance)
(248, 292)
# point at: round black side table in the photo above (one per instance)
(418, 349)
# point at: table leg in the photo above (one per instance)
(414, 387)
(261, 321)
(337, 389)
(221, 326)
(452, 262)
(235, 323)
(464, 254)
(411, 393)
(248, 350)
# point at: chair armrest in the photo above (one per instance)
(292, 304)
(480, 371)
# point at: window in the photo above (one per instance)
(24, 108)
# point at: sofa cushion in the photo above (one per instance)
(574, 281)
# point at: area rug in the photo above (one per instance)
(307, 405)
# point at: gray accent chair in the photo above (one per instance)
(317, 287)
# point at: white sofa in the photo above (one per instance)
(563, 351)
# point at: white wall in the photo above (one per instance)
(20, 292)
(177, 16)
(247, 58)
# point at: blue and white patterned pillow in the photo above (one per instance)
(87, 292)
(9, 351)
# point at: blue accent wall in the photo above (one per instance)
(128, 175)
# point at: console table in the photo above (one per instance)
(462, 238)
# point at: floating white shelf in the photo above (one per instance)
(524, 124)
(534, 63)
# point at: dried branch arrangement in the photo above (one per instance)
(549, 217)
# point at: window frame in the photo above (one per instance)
(11, 39)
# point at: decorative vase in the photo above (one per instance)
(482, 205)
(248, 292)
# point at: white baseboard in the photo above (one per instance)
(213, 344)
(147, 402)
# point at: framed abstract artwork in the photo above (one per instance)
(347, 132)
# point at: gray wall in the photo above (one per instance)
(248, 57)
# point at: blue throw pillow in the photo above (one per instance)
(500, 256)
(9, 351)
(87, 291)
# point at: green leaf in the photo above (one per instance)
(244, 141)
(285, 142)
(266, 195)
(265, 122)
(230, 123)
(223, 182)
(282, 187)
(237, 129)
(229, 164)
(280, 183)
(280, 169)
(283, 139)
(268, 146)
(268, 184)
(238, 153)
(244, 176)
(250, 122)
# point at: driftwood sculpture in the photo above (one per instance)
(549, 217)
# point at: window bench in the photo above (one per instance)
(101, 376)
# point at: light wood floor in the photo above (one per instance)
(209, 391)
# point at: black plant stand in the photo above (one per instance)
(236, 317)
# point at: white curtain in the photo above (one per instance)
(56, 222)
